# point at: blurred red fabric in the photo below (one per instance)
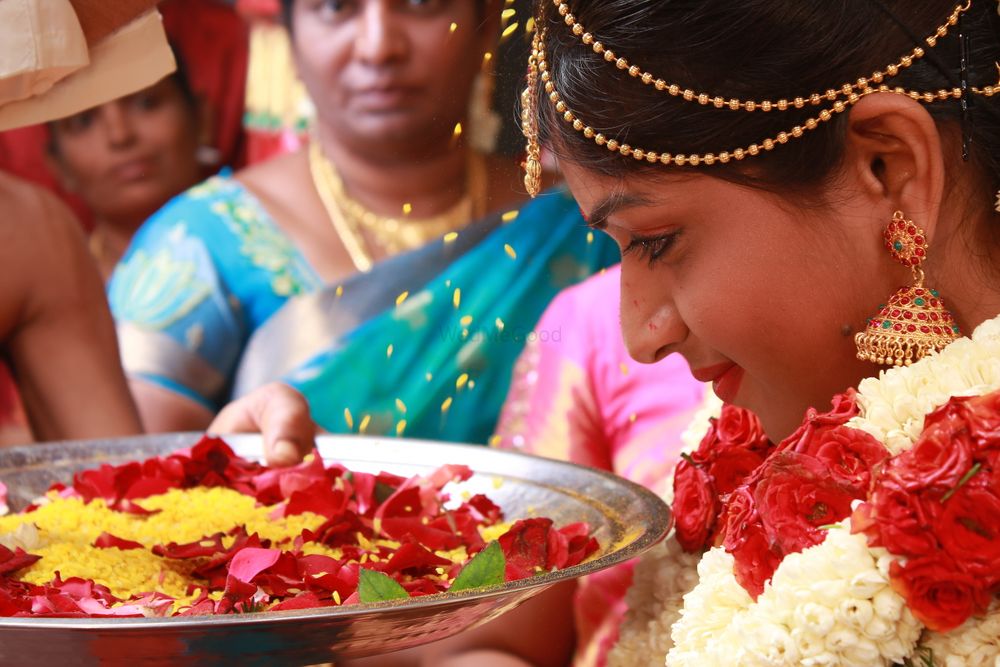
(213, 41)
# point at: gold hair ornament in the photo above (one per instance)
(538, 71)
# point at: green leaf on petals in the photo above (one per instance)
(965, 478)
(485, 569)
(375, 587)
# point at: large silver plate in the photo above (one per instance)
(626, 518)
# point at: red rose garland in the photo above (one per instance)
(935, 506)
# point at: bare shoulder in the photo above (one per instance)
(42, 249)
(32, 216)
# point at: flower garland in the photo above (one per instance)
(869, 536)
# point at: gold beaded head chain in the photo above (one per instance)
(840, 98)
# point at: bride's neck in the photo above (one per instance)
(967, 273)
(431, 181)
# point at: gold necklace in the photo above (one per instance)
(392, 235)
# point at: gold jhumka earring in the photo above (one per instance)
(914, 322)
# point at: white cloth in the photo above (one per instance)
(47, 71)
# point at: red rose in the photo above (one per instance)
(937, 592)
(742, 535)
(983, 416)
(898, 520)
(755, 560)
(969, 529)
(940, 457)
(849, 454)
(738, 517)
(732, 466)
(735, 427)
(696, 506)
(844, 407)
(795, 496)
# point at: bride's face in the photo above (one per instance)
(760, 299)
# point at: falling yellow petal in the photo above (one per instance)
(457, 132)
(487, 57)
(429, 377)
(466, 320)
(632, 417)
(401, 298)
(388, 351)
(400, 427)
(495, 440)
(407, 208)
(507, 13)
(364, 423)
(472, 384)
(529, 26)
(348, 418)
(340, 291)
(500, 324)
(624, 368)
(456, 297)
(509, 30)
(510, 215)
(400, 405)
(590, 237)
(450, 237)
(461, 381)
(446, 405)
(510, 251)
(453, 27)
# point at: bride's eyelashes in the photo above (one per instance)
(650, 248)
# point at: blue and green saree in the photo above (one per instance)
(213, 299)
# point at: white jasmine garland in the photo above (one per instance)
(831, 604)
(975, 643)
(662, 577)
(893, 405)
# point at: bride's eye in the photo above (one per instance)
(651, 248)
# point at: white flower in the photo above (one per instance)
(831, 604)
(975, 643)
(711, 407)
(661, 578)
(701, 635)
(894, 405)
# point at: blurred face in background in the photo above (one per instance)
(126, 158)
(391, 74)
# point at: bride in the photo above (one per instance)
(773, 173)
(803, 193)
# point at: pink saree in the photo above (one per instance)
(578, 396)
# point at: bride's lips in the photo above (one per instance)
(725, 378)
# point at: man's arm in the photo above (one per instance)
(55, 327)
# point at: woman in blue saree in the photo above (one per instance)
(284, 273)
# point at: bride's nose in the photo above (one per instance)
(651, 325)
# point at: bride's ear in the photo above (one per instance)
(893, 151)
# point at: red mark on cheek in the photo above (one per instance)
(635, 302)
(652, 327)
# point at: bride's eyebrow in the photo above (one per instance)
(598, 218)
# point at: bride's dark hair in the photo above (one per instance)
(757, 50)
